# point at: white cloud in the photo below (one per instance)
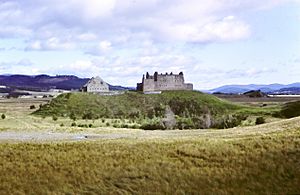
(52, 43)
(81, 21)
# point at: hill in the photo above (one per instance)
(254, 93)
(172, 109)
(288, 90)
(46, 82)
(244, 88)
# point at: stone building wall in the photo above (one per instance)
(95, 85)
(163, 82)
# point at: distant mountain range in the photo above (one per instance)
(45, 82)
(276, 88)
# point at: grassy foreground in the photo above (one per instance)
(263, 164)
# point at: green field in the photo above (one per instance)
(262, 159)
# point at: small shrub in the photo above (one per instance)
(88, 115)
(73, 116)
(62, 125)
(107, 124)
(90, 125)
(32, 107)
(3, 116)
(83, 125)
(116, 126)
(135, 126)
(73, 124)
(54, 118)
(260, 120)
(153, 125)
(124, 126)
(103, 120)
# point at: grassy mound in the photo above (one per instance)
(172, 109)
(290, 110)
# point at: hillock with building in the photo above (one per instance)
(168, 110)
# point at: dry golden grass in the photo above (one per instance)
(264, 164)
(262, 159)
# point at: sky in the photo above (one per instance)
(215, 42)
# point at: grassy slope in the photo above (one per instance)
(290, 109)
(135, 105)
(266, 163)
(131, 103)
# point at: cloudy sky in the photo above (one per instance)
(214, 42)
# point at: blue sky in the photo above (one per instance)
(214, 42)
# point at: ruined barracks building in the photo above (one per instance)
(95, 85)
(163, 82)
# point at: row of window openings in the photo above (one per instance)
(98, 88)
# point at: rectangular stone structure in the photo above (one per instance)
(163, 82)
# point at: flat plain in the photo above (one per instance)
(41, 156)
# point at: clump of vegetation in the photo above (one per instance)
(73, 116)
(3, 116)
(32, 107)
(73, 124)
(260, 120)
(153, 124)
(229, 121)
(290, 110)
(54, 118)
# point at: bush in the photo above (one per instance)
(135, 126)
(73, 124)
(103, 120)
(184, 123)
(228, 121)
(73, 116)
(153, 125)
(290, 110)
(54, 118)
(260, 120)
(107, 124)
(116, 126)
(83, 125)
(88, 115)
(62, 125)
(3, 116)
(32, 107)
(90, 125)
(125, 126)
